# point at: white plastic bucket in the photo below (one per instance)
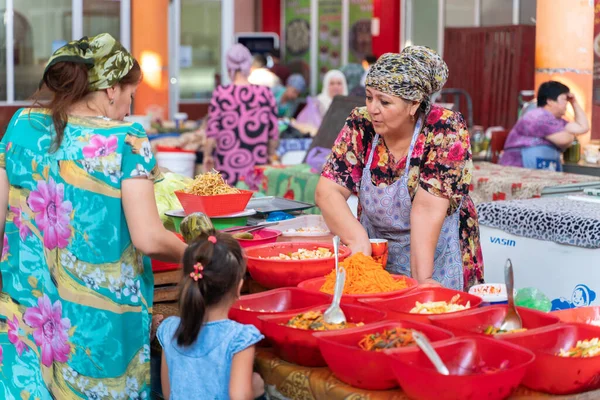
(179, 162)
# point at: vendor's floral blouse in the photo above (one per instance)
(440, 164)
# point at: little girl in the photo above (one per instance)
(206, 355)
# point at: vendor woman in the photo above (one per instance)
(409, 163)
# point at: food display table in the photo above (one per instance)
(296, 182)
(582, 168)
(288, 381)
(493, 182)
(553, 242)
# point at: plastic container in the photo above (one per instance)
(299, 346)
(463, 356)
(560, 375)
(289, 228)
(491, 293)
(214, 206)
(315, 285)
(273, 302)
(342, 353)
(475, 322)
(284, 273)
(176, 160)
(264, 236)
(582, 315)
(400, 306)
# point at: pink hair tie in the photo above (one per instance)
(197, 273)
(212, 239)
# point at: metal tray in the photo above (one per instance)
(268, 204)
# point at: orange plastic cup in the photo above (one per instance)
(379, 251)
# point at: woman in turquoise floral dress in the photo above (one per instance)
(78, 217)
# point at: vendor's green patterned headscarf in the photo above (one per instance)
(107, 60)
(415, 74)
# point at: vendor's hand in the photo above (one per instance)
(362, 247)
(571, 98)
(209, 163)
(428, 283)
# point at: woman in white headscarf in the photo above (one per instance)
(334, 84)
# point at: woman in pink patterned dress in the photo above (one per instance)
(242, 122)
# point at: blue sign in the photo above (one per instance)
(582, 296)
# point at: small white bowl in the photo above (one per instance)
(491, 292)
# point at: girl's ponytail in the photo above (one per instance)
(193, 302)
(213, 267)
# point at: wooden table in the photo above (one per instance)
(289, 381)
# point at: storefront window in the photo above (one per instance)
(496, 12)
(40, 27)
(425, 23)
(200, 51)
(101, 16)
(527, 12)
(460, 13)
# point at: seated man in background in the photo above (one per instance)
(260, 75)
(538, 138)
(287, 96)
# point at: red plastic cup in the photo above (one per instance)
(379, 250)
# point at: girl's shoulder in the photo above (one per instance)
(244, 337)
(166, 330)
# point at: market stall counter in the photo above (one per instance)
(492, 182)
(553, 242)
(285, 380)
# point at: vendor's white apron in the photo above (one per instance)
(386, 215)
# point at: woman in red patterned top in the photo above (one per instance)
(410, 165)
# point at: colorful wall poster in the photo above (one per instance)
(297, 30)
(360, 39)
(330, 37)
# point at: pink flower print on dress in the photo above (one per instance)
(5, 248)
(1, 355)
(456, 152)
(24, 230)
(13, 335)
(50, 330)
(52, 214)
(100, 146)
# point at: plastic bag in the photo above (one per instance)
(310, 114)
(534, 299)
(164, 191)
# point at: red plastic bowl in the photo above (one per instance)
(581, 315)
(214, 206)
(367, 369)
(284, 273)
(300, 346)
(420, 380)
(559, 375)
(278, 301)
(475, 322)
(400, 306)
(315, 284)
(264, 236)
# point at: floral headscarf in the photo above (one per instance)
(108, 61)
(414, 74)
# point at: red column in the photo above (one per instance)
(271, 16)
(388, 39)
